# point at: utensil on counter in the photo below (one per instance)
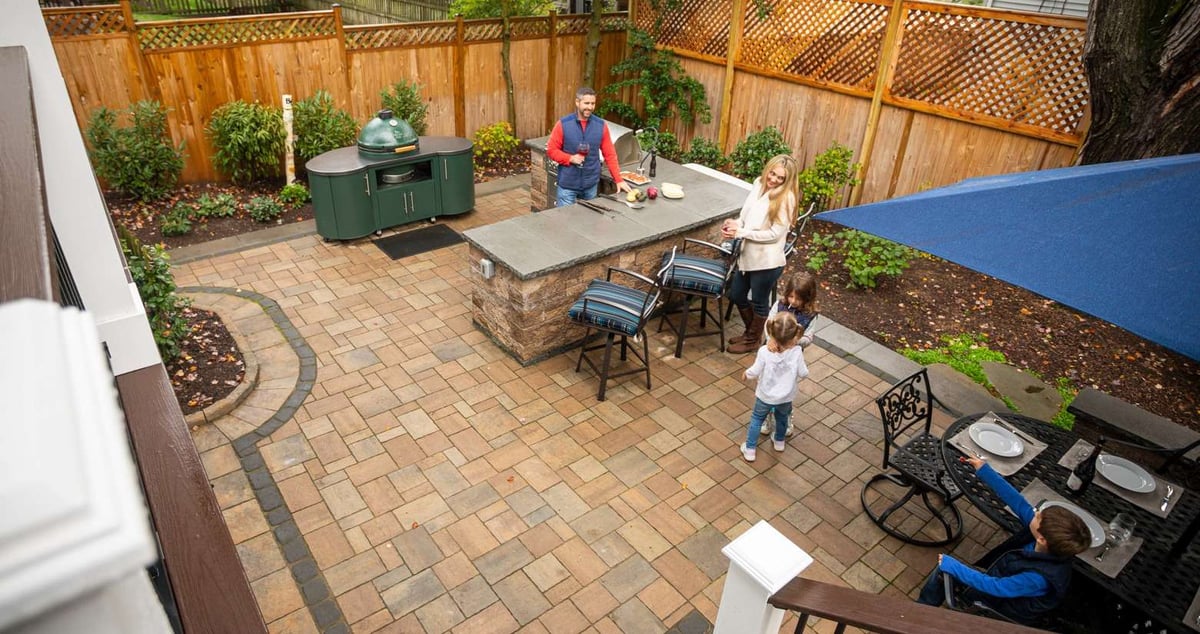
(637, 205)
(600, 209)
(1166, 501)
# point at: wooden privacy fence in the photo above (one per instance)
(926, 93)
(194, 66)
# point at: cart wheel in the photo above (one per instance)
(433, 220)
(378, 232)
(327, 240)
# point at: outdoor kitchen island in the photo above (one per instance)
(543, 261)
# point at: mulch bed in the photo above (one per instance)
(210, 365)
(935, 298)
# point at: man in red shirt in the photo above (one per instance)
(572, 145)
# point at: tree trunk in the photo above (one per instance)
(505, 50)
(1143, 64)
(591, 56)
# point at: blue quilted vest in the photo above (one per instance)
(587, 175)
(1014, 560)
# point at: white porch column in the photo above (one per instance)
(761, 561)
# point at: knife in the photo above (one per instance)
(1005, 424)
(594, 207)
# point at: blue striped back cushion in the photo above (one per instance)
(710, 279)
(609, 317)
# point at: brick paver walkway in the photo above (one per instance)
(437, 485)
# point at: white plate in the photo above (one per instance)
(1093, 524)
(995, 439)
(1125, 474)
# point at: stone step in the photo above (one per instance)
(959, 394)
(1030, 395)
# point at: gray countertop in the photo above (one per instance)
(347, 160)
(562, 237)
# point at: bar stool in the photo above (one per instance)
(617, 311)
(695, 276)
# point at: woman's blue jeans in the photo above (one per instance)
(754, 288)
(758, 416)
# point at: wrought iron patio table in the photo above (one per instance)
(1156, 582)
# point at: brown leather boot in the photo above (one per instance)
(747, 315)
(753, 337)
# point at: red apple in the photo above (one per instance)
(652, 192)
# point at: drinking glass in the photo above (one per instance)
(1120, 529)
(583, 150)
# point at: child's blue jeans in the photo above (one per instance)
(782, 411)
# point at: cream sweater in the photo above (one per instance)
(762, 245)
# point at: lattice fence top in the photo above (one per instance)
(400, 35)
(833, 41)
(1024, 72)
(700, 26)
(85, 21)
(577, 23)
(219, 31)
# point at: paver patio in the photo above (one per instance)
(430, 483)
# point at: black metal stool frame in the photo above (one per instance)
(652, 300)
(681, 333)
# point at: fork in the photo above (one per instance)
(1166, 501)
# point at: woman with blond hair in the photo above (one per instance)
(762, 226)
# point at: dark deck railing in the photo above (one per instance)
(879, 613)
(210, 588)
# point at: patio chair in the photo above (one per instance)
(693, 276)
(618, 311)
(914, 455)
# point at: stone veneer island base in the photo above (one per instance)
(544, 261)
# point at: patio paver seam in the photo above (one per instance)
(318, 598)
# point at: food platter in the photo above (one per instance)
(634, 178)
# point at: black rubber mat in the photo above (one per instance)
(408, 243)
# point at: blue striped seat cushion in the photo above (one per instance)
(602, 315)
(691, 273)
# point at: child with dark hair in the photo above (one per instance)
(778, 366)
(798, 297)
(1027, 575)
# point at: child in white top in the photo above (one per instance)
(778, 366)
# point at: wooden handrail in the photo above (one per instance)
(879, 613)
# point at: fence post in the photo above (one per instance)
(149, 91)
(737, 24)
(552, 59)
(340, 30)
(460, 88)
(761, 561)
(886, 67)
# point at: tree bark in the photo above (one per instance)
(1143, 64)
(505, 51)
(591, 56)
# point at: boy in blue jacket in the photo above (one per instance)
(1027, 575)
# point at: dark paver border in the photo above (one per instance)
(325, 611)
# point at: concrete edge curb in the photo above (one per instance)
(249, 378)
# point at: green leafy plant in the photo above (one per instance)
(831, 172)
(249, 139)
(219, 206)
(494, 143)
(404, 100)
(321, 126)
(666, 145)
(472, 9)
(138, 160)
(1067, 390)
(752, 153)
(864, 256)
(151, 272)
(659, 80)
(293, 195)
(965, 353)
(705, 153)
(264, 208)
(176, 221)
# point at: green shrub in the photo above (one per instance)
(151, 271)
(965, 353)
(404, 100)
(666, 146)
(249, 139)
(293, 195)
(752, 153)
(138, 160)
(705, 153)
(830, 173)
(264, 208)
(494, 143)
(219, 206)
(864, 256)
(1067, 391)
(176, 221)
(321, 127)
(657, 77)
